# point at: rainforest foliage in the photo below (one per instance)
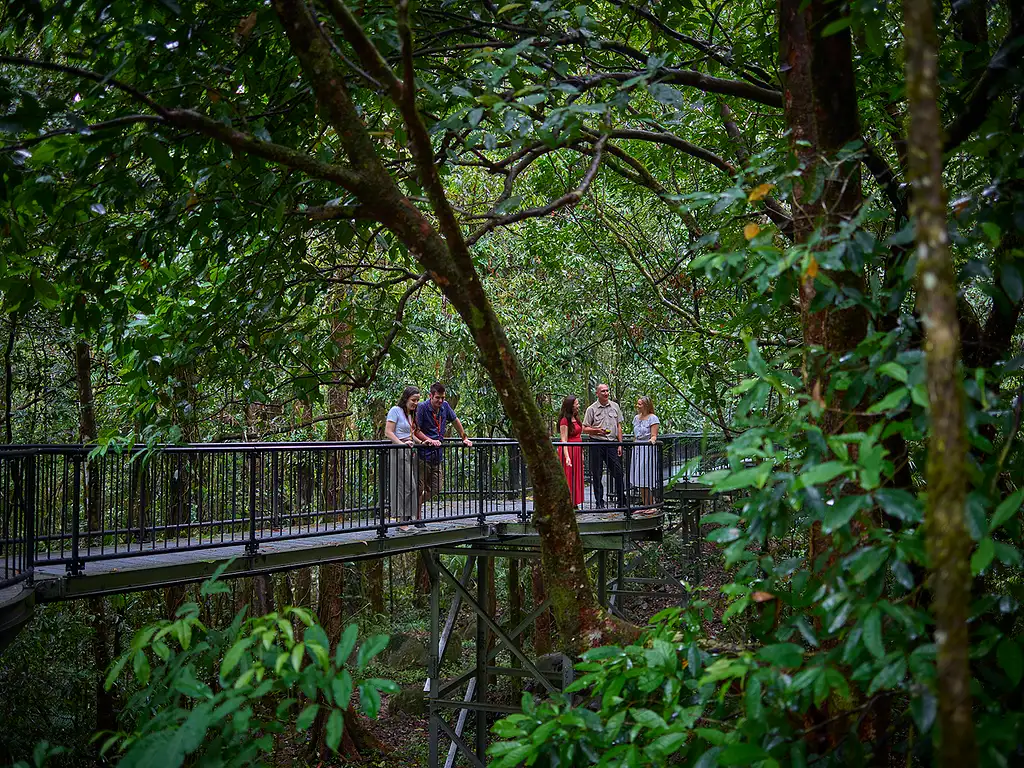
(796, 223)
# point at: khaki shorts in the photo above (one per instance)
(431, 479)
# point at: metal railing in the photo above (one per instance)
(61, 504)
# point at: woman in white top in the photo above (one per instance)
(643, 465)
(401, 430)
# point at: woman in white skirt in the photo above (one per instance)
(401, 430)
(643, 465)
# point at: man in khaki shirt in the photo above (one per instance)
(603, 422)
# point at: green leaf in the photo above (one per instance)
(782, 654)
(890, 676)
(822, 473)
(45, 293)
(894, 371)
(900, 504)
(663, 746)
(345, 645)
(1011, 660)
(370, 648)
(842, 510)
(234, 655)
(369, 700)
(891, 401)
(873, 633)
(741, 754)
(1007, 509)
(115, 671)
(836, 26)
(863, 563)
(720, 518)
(341, 689)
(983, 555)
(335, 727)
(306, 717)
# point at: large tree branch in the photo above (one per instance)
(569, 198)
(278, 153)
(710, 49)
(690, 78)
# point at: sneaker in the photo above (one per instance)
(421, 525)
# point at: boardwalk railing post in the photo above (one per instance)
(383, 470)
(251, 546)
(30, 514)
(659, 473)
(481, 453)
(624, 484)
(523, 516)
(75, 566)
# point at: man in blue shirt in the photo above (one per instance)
(432, 419)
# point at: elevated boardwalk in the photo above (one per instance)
(76, 524)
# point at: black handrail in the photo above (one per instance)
(66, 504)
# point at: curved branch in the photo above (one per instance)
(569, 198)
(268, 150)
(671, 140)
(116, 122)
(87, 74)
(690, 78)
(396, 326)
(701, 45)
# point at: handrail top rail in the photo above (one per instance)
(84, 449)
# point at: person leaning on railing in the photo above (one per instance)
(432, 419)
(400, 428)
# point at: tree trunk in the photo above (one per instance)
(542, 625)
(373, 581)
(820, 102)
(263, 589)
(949, 546)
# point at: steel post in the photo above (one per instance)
(252, 546)
(383, 468)
(75, 566)
(482, 564)
(433, 659)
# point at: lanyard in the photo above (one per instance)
(437, 423)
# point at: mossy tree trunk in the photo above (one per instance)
(949, 545)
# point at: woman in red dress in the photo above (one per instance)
(571, 431)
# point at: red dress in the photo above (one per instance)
(573, 474)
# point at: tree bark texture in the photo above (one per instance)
(948, 543)
(820, 105)
(373, 580)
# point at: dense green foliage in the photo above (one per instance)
(221, 697)
(226, 294)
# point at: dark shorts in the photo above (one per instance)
(431, 479)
